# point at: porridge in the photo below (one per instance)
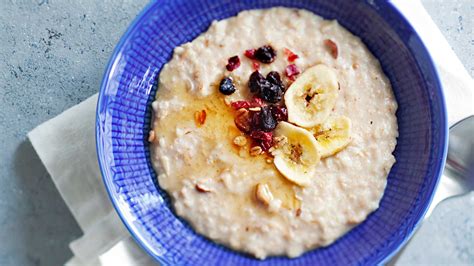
(273, 132)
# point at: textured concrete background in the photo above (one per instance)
(52, 56)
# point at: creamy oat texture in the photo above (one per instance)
(346, 187)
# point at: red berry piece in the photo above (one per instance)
(264, 139)
(257, 102)
(256, 65)
(250, 53)
(280, 113)
(233, 63)
(240, 104)
(290, 55)
(291, 71)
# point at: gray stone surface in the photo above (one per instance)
(455, 18)
(52, 56)
(446, 238)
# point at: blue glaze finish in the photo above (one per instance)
(124, 114)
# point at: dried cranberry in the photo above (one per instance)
(257, 102)
(272, 93)
(261, 135)
(267, 121)
(265, 54)
(250, 53)
(256, 65)
(243, 121)
(233, 63)
(280, 113)
(290, 55)
(256, 82)
(291, 71)
(274, 78)
(226, 86)
(264, 139)
(293, 57)
(240, 104)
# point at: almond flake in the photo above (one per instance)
(332, 46)
(255, 109)
(263, 194)
(256, 150)
(151, 136)
(202, 188)
(240, 141)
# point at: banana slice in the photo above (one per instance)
(296, 155)
(333, 135)
(312, 96)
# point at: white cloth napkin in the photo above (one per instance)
(66, 146)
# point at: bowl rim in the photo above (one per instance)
(109, 186)
(445, 133)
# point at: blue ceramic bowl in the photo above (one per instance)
(123, 120)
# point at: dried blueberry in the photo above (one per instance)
(265, 54)
(267, 121)
(274, 78)
(226, 86)
(272, 93)
(256, 82)
(255, 121)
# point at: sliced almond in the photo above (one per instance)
(151, 136)
(332, 46)
(255, 109)
(256, 150)
(202, 187)
(263, 194)
(240, 141)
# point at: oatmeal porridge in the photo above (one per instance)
(273, 132)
